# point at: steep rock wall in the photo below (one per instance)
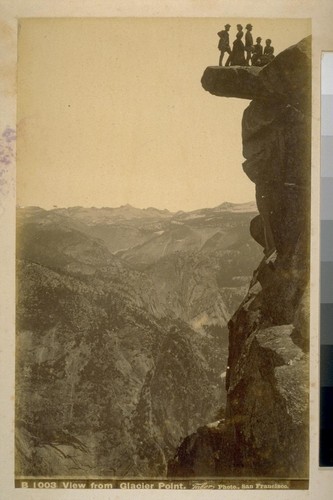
(265, 432)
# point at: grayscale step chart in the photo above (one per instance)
(326, 265)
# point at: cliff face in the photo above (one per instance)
(265, 432)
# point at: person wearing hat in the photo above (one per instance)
(257, 53)
(248, 43)
(239, 36)
(224, 45)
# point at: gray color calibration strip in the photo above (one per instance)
(326, 264)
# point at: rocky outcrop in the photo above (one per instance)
(265, 432)
(281, 80)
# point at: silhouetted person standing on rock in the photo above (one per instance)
(257, 53)
(224, 45)
(248, 43)
(239, 30)
(237, 57)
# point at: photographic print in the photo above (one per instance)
(163, 236)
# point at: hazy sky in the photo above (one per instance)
(111, 111)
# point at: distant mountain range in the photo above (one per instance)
(121, 332)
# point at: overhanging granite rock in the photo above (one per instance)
(287, 78)
(233, 81)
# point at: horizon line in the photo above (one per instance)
(129, 205)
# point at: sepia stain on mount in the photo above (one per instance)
(265, 430)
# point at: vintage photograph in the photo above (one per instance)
(162, 252)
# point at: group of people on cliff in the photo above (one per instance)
(244, 54)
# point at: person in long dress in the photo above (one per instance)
(239, 30)
(237, 54)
